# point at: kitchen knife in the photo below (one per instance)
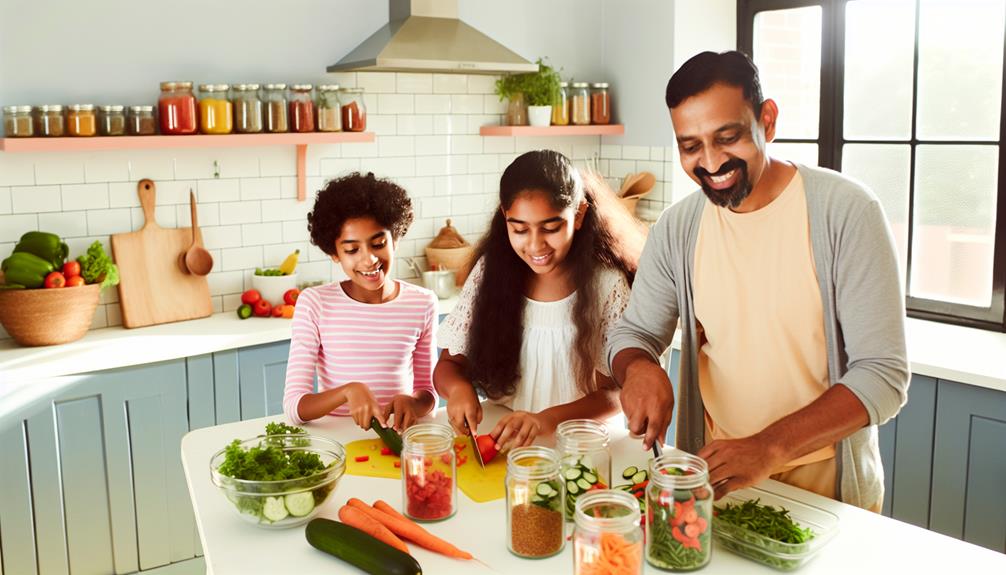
(475, 447)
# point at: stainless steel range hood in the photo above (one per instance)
(427, 36)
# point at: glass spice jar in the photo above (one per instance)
(247, 108)
(112, 120)
(50, 121)
(274, 104)
(354, 110)
(17, 122)
(679, 500)
(329, 108)
(579, 99)
(535, 494)
(607, 537)
(81, 120)
(141, 121)
(585, 458)
(429, 489)
(216, 112)
(177, 108)
(560, 108)
(301, 108)
(600, 104)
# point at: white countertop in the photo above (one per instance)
(866, 542)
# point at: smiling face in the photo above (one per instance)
(366, 250)
(721, 142)
(539, 233)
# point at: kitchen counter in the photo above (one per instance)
(866, 542)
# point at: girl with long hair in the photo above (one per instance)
(551, 276)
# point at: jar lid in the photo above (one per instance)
(599, 85)
(112, 108)
(51, 108)
(16, 109)
(563, 84)
(448, 238)
(136, 109)
(581, 85)
(275, 86)
(82, 108)
(213, 87)
(302, 87)
(328, 87)
(245, 87)
(176, 86)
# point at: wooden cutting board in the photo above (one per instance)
(153, 288)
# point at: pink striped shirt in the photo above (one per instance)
(387, 346)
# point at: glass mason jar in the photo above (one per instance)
(274, 104)
(679, 520)
(329, 109)
(560, 108)
(141, 121)
(216, 112)
(177, 108)
(579, 99)
(354, 110)
(585, 458)
(247, 108)
(112, 120)
(50, 121)
(516, 110)
(535, 495)
(600, 104)
(429, 489)
(81, 120)
(607, 533)
(17, 122)
(301, 108)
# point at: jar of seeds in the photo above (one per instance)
(534, 499)
(17, 122)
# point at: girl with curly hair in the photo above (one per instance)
(551, 278)
(369, 339)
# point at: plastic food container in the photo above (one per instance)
(775, 554)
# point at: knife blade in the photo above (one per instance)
(475, 447)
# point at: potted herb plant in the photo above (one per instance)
(537, 90)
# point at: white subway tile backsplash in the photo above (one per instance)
(635, 153)
(85, 197)
(432, 104)
(234, 259)
(435, 207)
(450, 83)
(14, 226)
(284, 210)
(218, 191)
(208, 215)
(35, 199)
(368, 150)
(314, 254)
(343, 79)
(467, 205)
(611, 152)
(382, 125)
(106, 167)
(16, 170)
(467, 104)
(175, 192)
(261, 234)
(5, 201)
(620, 168)
(273, 255)
(323, 270)
(65, 224)
(230, 302)
(151, 164)
(376, 82)
(122, 195)
(585, 151)
(657, 153)
(196, 164)
(392, 146)
(396, 104)
(99, 320)
(391, 167)
(432, 145)
(296, 231)
(414, 83)
(220, 237)
(113, 314)
(466, 144)
(493, 105)
(476, 121)
(242, 212)
(59, 168)
(332, 168)
(260, 188)
(288, 188)
(232, 163)
(117, 221)
(656, 168)
(482, 84)
(483, 163)
(409, 125)
(499, 145)
(417, 187)
(223, 283)
(277, 161)
(453, 124)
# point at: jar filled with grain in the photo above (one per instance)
(112, 120)
(50, 121)
(560, 108)
(600, 104)
(177, 108)
(274, 105)
(81, 120)
(535, 494)
(247, 108)
(607, 537)
(585, 458)
(216, 112)
(354, 110)
(429, 489)
(329, 108)
(679, 520)
(579, 98)
(17, 122)
(301, 108)
(141, 121)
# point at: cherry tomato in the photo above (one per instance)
(71, 269)
(55, 280)
(74, 281)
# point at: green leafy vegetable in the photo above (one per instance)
(96, 266)
(765, 520)
(763, 533)
(269, 461)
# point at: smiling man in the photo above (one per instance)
(785, 280)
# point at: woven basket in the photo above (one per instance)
(36, 317)
(458, 260)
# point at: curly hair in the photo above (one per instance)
(358, 196)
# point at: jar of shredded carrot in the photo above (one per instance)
(607, 538)
(216, 111)
(177, 108)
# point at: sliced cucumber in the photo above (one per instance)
(629, 472)
(640, 477)
(584, 484)
(274, 509)
(572, 488)
(299, 504)
(545, 490)
(573, 473)
(590, 477)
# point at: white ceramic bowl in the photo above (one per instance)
(272, 288)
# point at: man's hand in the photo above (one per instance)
(520, 428)
(362, 404)
(737, 463)
(647, 397)
(464, 411)
(405, 408)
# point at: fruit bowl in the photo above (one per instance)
(272, 288)
(35, 317)
(287, 502)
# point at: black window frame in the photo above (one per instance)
(830, 141)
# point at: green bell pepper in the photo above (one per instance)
(49, 247)
(26, 269)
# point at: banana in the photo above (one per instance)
(290, 263)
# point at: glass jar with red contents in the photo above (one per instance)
(354, 110)
(177, 108)
(429, 486)
(679, 519)
(301, 108)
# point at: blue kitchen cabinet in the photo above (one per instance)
(262, 376)
(906, 448)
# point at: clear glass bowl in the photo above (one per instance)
(289, 502)
(775, 554)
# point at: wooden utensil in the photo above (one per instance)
(152, 288)
(196, 259)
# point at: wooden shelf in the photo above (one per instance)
(86, 144)
(598, 130)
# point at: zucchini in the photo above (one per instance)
(274, 510)
(629, 472)
(299, 504)
(389, 436)
(640, 477)
(359, 549)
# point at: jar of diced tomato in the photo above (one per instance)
(177, 107)
(429, 489)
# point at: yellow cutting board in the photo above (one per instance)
(479, 485)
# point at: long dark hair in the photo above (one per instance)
(609, 237)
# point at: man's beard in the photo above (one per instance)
(729, 197)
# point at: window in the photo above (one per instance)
(906, 96)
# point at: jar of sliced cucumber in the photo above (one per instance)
(534, 494)
(585, 459)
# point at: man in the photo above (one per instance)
(786, 283)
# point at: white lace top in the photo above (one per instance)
(546, 363)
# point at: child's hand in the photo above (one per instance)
(464, 410)
(405, 408)
(520, 428)
(362, 405)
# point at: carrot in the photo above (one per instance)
(617, 557)
(356, 518)
(409, 529)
